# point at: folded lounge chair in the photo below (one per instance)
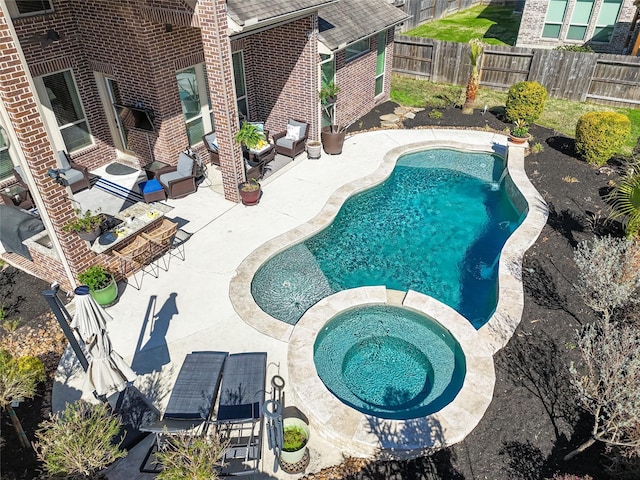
(239, 417)
(191, 402)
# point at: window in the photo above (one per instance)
(580, 20)
(354, 50)
(555, 17)
(193, 89)
(328, 74)
(241, 86)
(5, 158)
(19, 8)
(380, 61)
(59, 95)
(607, 20)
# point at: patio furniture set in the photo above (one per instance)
(238, 419)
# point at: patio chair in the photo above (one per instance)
(291, 142)
(75, 175)
(19, 176)
(135, 258)
(190, 404)
(239, 418)
(211, 144)
(179, 180)
(160, 241)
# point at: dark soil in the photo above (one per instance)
(533, 420)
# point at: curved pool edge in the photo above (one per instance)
(361, 435)
(510, 300)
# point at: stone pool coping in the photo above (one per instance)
(500, 327)
(360, 435)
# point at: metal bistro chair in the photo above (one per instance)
(160, 241)
(136, 254)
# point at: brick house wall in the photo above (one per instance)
(534, 16)
(356, 80)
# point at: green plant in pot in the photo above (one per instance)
(295, 437)
(520, 131)
(249, 136)
(86, 225)
(328, 92)
(102, 285)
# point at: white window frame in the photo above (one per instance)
(5, 146)
(379, 36)
(356, 51)
(206, 110)
(600, 26)
(555, 22)
(14, 11)
(574, 23)
(51, 122)
(242, 98)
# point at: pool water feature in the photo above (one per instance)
(436, 226)
(389, 361)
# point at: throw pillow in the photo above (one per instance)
(293, 133)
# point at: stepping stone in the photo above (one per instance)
(389, 124)
(390, 117)
(410, 115)
(401, 110)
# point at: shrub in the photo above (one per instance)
(189, 457)
(608, 383)
(600, 134)
(525, 101)
(95, 277)
(80, 441)
(575, 48)
(608, 277)
(625, 203)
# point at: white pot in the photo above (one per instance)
(294, 457)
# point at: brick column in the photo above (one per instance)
(17, 94)
(217, 55)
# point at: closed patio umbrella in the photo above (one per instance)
(90, 318)
(107, 373)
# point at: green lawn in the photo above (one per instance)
(560, 115)
(495, 25)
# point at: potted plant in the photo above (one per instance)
(250, 191)
(329, 92)
(249, 136)
(86, 225)
(314, 149)
(295, 438)
(332, 136)
(102, 286)
(520, 132)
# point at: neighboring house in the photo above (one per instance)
(607, 26)
(194, 65)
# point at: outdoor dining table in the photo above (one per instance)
(133, 220)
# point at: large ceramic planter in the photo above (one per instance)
(519, 140)
(107, 295)
(294, 457)
(251, 197)
(332, 141)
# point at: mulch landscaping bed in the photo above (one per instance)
(533, 420)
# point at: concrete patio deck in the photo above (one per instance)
(188, 308)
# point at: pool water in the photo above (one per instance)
(389, 362)
(435, 230)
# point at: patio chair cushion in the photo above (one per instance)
(165, 178)
(285, 142)
(293, 133)
(185, 165)
(302, 125)
(72, 176)
(64, 159)
(150, 186)
(18, 170)
(212, 141)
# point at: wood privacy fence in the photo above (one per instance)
(601, 78)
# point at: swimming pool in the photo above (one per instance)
(436, 226)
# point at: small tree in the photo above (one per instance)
(18, 379)
(191, 458)
(609, 384)
(609, 275)
(477, 47)
(79, 442)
